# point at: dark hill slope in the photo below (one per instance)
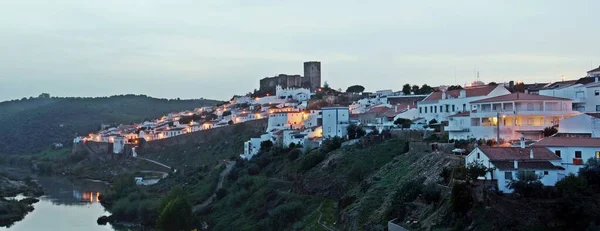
(32, 125)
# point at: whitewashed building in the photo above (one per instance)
(509, 116)
(573, 151)
(439, 105)
(300, 94)
(508, 162)
(584, 92)
(584, 124)
(335, 121)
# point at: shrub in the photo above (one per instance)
(312, 160)
(572, 184)
(475, 170)
(527, 184)
(446, 174)
(431, 193)
(266, 145)
(294, 154)
(357, 172)
(221, 193)
(461, 199)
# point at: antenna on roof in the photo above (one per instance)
(477, 75)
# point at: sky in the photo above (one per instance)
(214, 49)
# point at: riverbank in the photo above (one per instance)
(16, 199)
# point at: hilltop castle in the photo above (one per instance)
(311, 79)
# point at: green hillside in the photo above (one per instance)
(31, 125)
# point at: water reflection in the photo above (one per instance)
(66, 205)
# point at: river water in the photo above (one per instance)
(66, 205)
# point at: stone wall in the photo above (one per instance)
(204, 136)
(285, 81)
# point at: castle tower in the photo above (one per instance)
(312, 71)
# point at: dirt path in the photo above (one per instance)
(154, 162)
(224, 173)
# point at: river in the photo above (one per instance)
(66, 205)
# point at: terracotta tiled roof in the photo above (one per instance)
(568, 142)
(518, 153)
(518, 97)
(461, 114)
(378, 110)
(533, 165)
(470, 92)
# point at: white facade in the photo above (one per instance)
(504, 174)
(509, 116)
(440, 105)
(118, 145)
(335, 121)
(581, 124)
(300, 94)
(573, 151)
(586, 97)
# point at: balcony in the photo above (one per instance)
(452, 128)
(577, 161)
(579, 100)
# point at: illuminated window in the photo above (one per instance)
(598, 154)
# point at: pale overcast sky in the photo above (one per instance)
(214, 49)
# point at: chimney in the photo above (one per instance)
(516, 164)
(522, 140)
(531, 153)
(443, 94)
(596, 79)
(463, 93)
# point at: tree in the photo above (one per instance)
(403, 123)
(355, 132)
(406, 89)
(415, 89)
(550, 131)
(326, 85)
(493, 84)
(355, 89)
(433, 121)
(230, 122)
(475, 170)
(44, 96)
(226, 113)
(176, 215)
(454, 87)
(519, 87)
(528, 184)
(461, 199)
(425, 89)
(266, 145)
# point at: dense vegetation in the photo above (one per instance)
(15, 210)
(33, 124)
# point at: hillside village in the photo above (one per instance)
(550, 129)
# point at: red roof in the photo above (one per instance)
(518, 153)
(556, 141)
(378, 110)
(518, 97)
(470, 92)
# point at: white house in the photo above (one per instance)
(584, 92)
(586, 123)
(506, 163)
(573, 151)
(511, 115)
(335, 121)
(300, 94)
(441, 104)
(594, 72)
(286, 120)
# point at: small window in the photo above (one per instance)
(597, 92)
(478, 155)
(597, 107)
(557, 152)
(420, 110)
(578, 154)
(425, 109)
(597, 154)
(545, 173)
(508, 175)
(453, 107)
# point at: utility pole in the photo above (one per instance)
(498, 128)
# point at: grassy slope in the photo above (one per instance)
(32, 125)
(372, 174)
